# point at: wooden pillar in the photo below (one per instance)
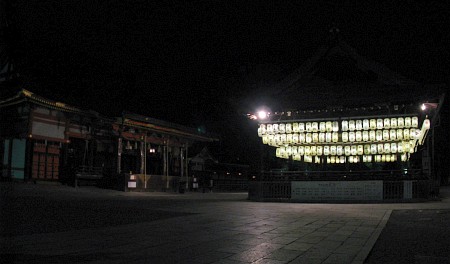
(119, 155)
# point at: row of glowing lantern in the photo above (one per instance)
(367, 149)
(350, 159)
(333, 126)
(335, 137)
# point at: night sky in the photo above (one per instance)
(176, 60)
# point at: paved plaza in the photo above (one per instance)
(60, 224)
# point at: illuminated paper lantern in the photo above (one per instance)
(326, 150)
(335, 137)
(400, 147)
(407, 122)
(308, 126)
(301, 138)
(275, 128)
(281, 128)
(322, 127)
(366, 124)
(333, 159)
(406, 134)
(289, 138)
(313, 150)
(360, 150)
(315, 137)
(265, 139)
(301, 150)
(379, 123)
(344, 136)
(367, 149)
(301, 127)
(319, 150)
(373, 149)
(379, 135)
(269, 129)
(377, 158)
(347, 151)
(308, 138)
(393, 122)
(261, 130)
(383, 158)
(351, 136)
(339, 150)
(350, 159)
(393, 158)
(393, 134)
(351, 125)
(365, 136)
(388, 158)
(297, 157)
(289, 128)
(412, 133)
(329, 126)
(335, 126)
(358, 136)
(344, 125)
(307, 150)
(321, 137)
(283, 138)
(314, 127)
(294, 150)
(415, 122)
(373, 124)
(387, 123)
(353, 150)
(317, 160)
(404, 157)
(342, 159)
(333, 150)
(372, 136)
(295, 128)
(358, 124)
(387, 148)
(380, 149)
(385, 135)
(393, 147)
(295, 139)
(328, 137)
(400, 122)
(289, 150)
(399, 134)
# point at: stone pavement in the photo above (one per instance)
(60, 224)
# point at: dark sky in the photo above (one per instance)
(170, 60)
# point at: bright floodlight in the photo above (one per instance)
(262, 114)
(423, 107)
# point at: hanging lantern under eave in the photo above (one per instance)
(315, 137)
(373, 124)
(379, 123)
(269, 129)
(415, 122)
(335, 126)
(393, 134)
(400, 122)
(295, 139)
(313, 150)
(289, 138)
(387, 148)
(366, 149)
(328, 137)
(301, 138)
(333, 150)
(373, 149)
(372, 135)
(322, 127)
(319, 150)
(387, 123)
(408, 122)
(351, 136)
(301, 150)
(366, 125)
(360, 150)
(326, 150)
(295, 127)
(307, 150)
(358, 125)
(339, 150)
(393, 122)
(344, 125)
(275, 128)
(353, 150)
(335, 137)
(380, 149)
(385, 135)
(261, 130)
(347, 150)
(393, 147)
(351, 125)
(358, 136)
(329, 126)
(365, 136)
(308, 126)
(265, 139)
(281, 128)
(314, 127)
(288, 128)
